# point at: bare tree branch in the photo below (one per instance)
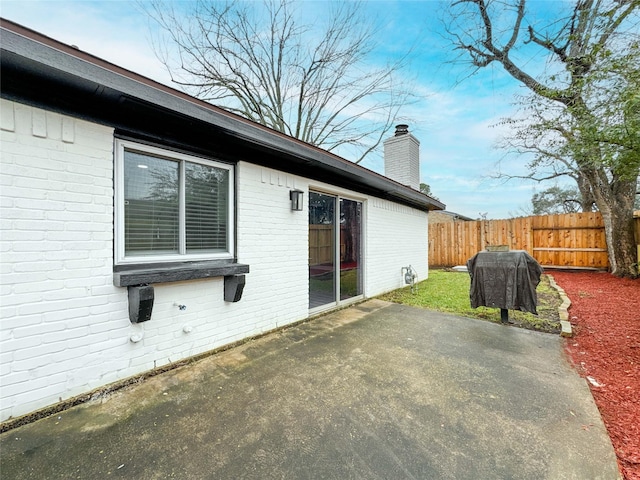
(313, 82)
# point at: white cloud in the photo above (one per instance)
(113, 31)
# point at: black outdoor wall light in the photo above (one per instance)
(296, 199)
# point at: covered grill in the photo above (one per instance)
(504, 280)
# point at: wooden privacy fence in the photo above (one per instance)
(574, 240)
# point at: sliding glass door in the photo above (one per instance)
(335, 250)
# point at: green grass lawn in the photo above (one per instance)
(448, 291)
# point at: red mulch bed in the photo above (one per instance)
(605, 315)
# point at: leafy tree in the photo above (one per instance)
(589, 93)
(313, 82)
(555, 200)
(426, 189)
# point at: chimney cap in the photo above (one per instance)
(402, 129)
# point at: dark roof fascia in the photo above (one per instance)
(100, 91)
(457, 216)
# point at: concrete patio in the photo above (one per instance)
(374, 391)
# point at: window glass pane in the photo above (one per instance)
(206, 208)
(150, 205)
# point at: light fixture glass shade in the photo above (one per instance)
(296, 199)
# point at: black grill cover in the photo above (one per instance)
(504, 280)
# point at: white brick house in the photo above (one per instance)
(115, 187)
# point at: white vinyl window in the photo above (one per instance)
(171, 206)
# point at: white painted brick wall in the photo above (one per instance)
(65, 328)
(273, 239)
(397, 237)
(56, 238)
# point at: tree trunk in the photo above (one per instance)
(586, 195)
(615, 202)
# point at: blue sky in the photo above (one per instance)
(454, 119)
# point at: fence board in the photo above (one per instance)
(574, 240)
(320, 244)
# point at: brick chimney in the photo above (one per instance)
(402, 157)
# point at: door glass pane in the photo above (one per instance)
(322, 235)
(350, 249)
(150, 205)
